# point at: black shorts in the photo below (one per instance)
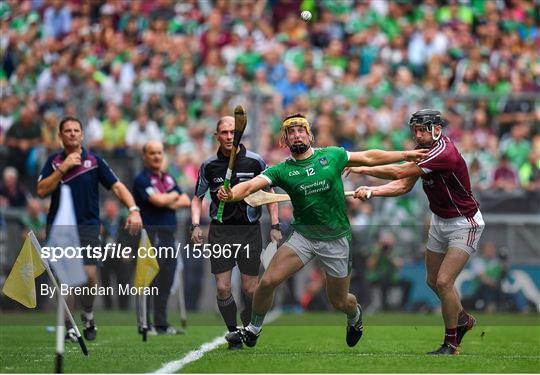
(89, 235)
(245, 243)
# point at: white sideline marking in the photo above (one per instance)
(194, 355)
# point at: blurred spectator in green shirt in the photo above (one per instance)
(383, 270)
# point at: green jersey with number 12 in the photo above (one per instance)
(316, 192)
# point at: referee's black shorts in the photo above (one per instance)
(245, 243)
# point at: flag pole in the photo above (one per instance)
(144, 318)
(144, 274)
(142, 299)
(61, 298)
(59, 336)
(182, 299)
(140, 303)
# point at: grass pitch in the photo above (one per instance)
(293, 343)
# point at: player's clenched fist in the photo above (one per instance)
(415, 155)
(363, 193)
(223, 195)
(72, 160)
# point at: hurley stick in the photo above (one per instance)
(240, 122)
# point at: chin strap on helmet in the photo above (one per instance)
(435, 137)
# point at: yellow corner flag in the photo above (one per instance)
(20, 284)
(147, 266)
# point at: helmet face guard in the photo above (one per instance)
(428, 118)
(292, 122)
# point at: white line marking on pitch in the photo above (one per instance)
(194, 355)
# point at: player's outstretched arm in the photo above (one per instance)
(380, 157)
(242, 190)
(391, 189)
(387, 172)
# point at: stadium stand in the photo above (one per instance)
(135, 70)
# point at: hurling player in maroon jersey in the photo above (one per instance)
(456, 222)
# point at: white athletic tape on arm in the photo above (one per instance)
(266, 178)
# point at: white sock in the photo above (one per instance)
(89, 315)
(255, 330)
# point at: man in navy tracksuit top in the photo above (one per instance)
(158, 195)
(83, 171)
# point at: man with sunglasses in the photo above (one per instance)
(456, 221)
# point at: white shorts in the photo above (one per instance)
(334, 256)
(458, 232)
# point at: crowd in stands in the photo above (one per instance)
(139, 70)
(135, 70)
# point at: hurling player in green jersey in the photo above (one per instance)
(312, 178)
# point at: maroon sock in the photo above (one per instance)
(463, 318)
(450, 336)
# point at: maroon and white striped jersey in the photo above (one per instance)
(446, 181)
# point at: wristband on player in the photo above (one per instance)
(193, 226)
(275, 226)
(134, 208)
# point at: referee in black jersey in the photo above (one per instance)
(240, 229)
